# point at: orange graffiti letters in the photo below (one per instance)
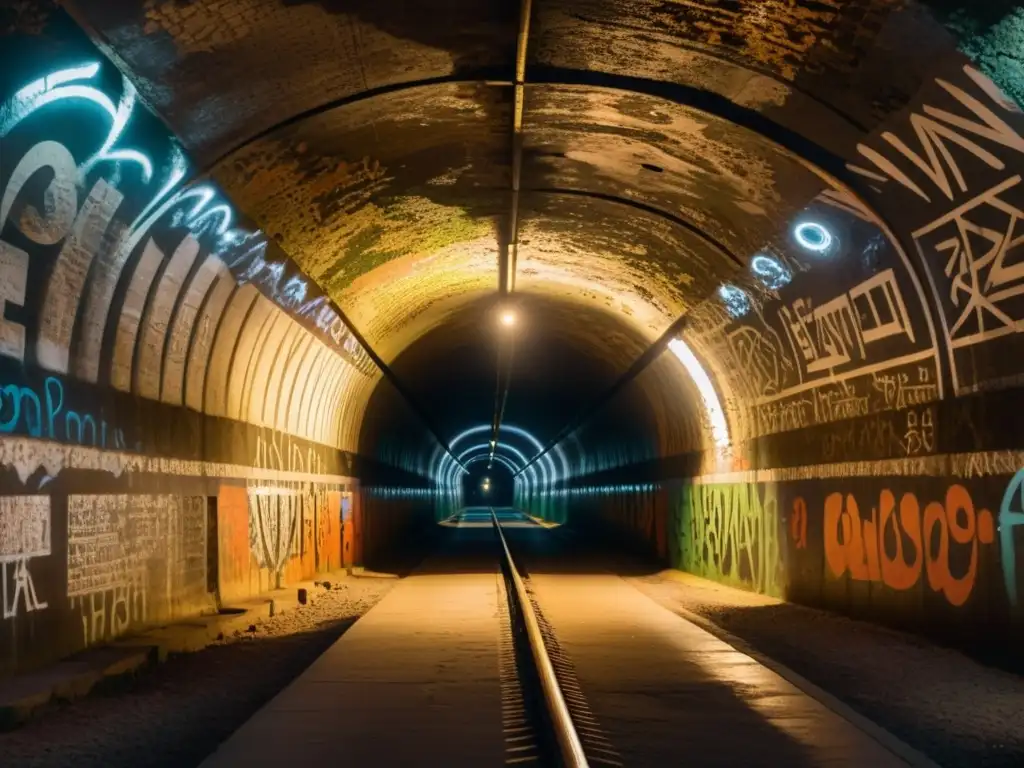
(798, 523)
(890, 547)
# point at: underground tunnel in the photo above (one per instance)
(729, 286)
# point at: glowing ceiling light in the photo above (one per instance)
(813, 236)
(508, 318)
(737, 303)
(712, 405)
(770, 271)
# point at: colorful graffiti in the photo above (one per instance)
(903, 533)
(43, 414)
(732, 533)
(99, 227)
(1011, 517)
(874, 548)
(287, 519)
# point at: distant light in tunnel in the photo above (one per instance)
(770, 271)
(500, 459)
(712, 405)
(508, 318)
(737, 303)
(813, 236)
(547, 458)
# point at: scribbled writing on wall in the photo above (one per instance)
(956, 166)
(82, 197)
(899, 540)
(1011, 542)
(839, 331)
(134, 558)
(285, 515)
(732, 533)
(24, 535)
(812, 350)
(910, 432)
(43, 413)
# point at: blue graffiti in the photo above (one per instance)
(11, 399)
(64, 85)
(250, 264)
(199, 208)
(1011, 517)
(22, 408)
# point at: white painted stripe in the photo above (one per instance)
(959, 465)
(27, 454)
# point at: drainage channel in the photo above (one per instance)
(539, 714)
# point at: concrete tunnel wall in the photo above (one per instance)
(859, 443)
(181, 410)
(666, 159)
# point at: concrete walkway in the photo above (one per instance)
(414, 682)
(665, 692)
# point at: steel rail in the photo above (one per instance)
(561, 721)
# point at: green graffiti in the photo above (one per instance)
(730, 533)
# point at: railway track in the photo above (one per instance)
(546, 718)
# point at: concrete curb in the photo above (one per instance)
(897, 746)
(23, 697)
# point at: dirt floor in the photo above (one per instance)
(175, 714)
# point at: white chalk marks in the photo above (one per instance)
(273, 526)
(24, 535)
(134, 557)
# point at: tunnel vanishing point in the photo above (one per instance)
(763, 260)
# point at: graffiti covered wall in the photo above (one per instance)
(179, 405)
(926, 551)
(867, 363)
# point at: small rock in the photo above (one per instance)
(252, 628)
(327, 585)
(303, 596)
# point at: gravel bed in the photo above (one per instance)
(954, 709)
(175, 714)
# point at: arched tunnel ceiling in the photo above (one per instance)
(663, 144)
(563, 353)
